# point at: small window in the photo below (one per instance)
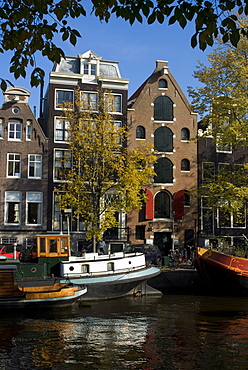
(85, 269)
(162, 84)
(52, 245)
(140, 232)
(185, 135)
(185, 165)
(186, 198)
(1, 129)
(29, 131)
(140, 132)
(93, 69)
(15, 110)
(110, 266)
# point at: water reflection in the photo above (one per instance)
(170, 332)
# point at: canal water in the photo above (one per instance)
(173, 332)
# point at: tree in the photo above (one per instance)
(222, 104)
(102, 177)
(30, 26)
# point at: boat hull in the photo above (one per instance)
(112, 286)
(223, 274)
(46, 302)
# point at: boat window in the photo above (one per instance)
(110, 266)
(42, 245)
(53, 246)
(85, 269)
(64, 245)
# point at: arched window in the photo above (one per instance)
(185, 134)
(140, 132)
(164, 171)
(163, 109)
(163, 139)
(162, 205)
(185, 165)
(162, 84)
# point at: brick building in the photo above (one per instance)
(90, 73)
(23, 170)
(216, 226)
(159, 113)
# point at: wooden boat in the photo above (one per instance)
(222, 273)
(106, 276)
(14, 296)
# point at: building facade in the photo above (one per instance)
(215, 226)
(23, 170)
(89, 73)
(159, 113)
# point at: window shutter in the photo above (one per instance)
(178, 205)
(149, 205)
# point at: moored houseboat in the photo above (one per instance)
(105, 276)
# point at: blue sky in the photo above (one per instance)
(135, 47)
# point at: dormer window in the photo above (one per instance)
(89, 69)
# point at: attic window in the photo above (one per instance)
(162, 84)
(16, 110)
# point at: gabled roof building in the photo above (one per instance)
(159, 113)
(23, 170)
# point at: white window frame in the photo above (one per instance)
(36, 163)
(56, 104)
(67, 164)
(15, 131)
(222, 148)
(16, 198)
(29, 131)
(14, 162)
(88, 69)
(34, 198)
(88, 101)
(60, 129)
(113, 104)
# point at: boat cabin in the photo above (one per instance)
(53, 245)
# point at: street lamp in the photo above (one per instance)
(195, 218)
(67, 213)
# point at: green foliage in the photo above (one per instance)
(104, 177)
(29, 26)
(222, 104)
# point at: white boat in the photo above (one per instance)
(105, 276)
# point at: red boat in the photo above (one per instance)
(222, 273)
